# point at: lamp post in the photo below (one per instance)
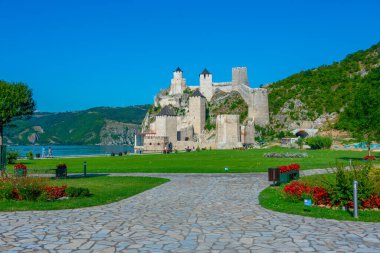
(85, 169)
(356, 199)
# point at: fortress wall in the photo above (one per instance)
(222, 84)
(167, 126)
(206, 88)
(246, 94)
(197, 111)
(181, 145)
(226, 88)
(239, 77)
(248, 134)
(169, 101)
(185, 134)
(228, 131)
(193, 87)
(260, 106)
(177, 84)
(153, 143)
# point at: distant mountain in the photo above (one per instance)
(100, 125)
(316, 97)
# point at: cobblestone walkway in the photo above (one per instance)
(192, 213)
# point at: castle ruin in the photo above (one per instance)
(180, 124)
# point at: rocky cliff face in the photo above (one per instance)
(118, 133)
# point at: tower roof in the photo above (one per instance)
(167, 111)
(178, 70)
(197, 93)
(205, 72)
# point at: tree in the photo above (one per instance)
(15, 101)
(362, 116)
(300, 142)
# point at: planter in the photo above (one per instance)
(289, 176)
(284, 178)
(274, 174)
(61, 173)
(294, 175)
(20, 172)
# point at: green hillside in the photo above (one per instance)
(92, 126)
(320, 91)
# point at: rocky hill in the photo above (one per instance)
(315, 98)
(100, 125)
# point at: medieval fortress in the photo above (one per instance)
(180, 123)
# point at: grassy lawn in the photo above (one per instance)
(210, 161)
(104, 189)
(272, 198)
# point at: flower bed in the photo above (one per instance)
(339, 193)
(34, 189)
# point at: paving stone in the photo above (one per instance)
(191, 213)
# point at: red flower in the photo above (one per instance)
(296, 189)
(55, 192)
(370, 157)
(20, 166)
(321, 196)
(288, 168)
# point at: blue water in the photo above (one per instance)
(72, 150)
(362, 145)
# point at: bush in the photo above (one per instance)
(30, 188)
(12, 156)
(6, 189)
(30, 155)
(319, 142)
(374, 177)
(342, 192)
(77, 192)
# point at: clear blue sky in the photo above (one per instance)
(77, 54)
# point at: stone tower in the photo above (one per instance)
(205, 82)
(260, 108)
(166, 124)
(228, 131)
(239, 77)
(178, 83)
(197, 111)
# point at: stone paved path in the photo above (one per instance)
(192, 213)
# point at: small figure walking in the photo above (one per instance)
(50, 152)
(43, 152)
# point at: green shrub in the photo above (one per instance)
(12, 156)
(74, 192)
(319, 142)
(30, 155)
(6, 189)
(374, 177)
(30, 188)
(300, 142)
(342, 192)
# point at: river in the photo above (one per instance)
(80, 150)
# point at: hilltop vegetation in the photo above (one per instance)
(326, 90)
(100, 125)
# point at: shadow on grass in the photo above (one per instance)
(350, 158)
